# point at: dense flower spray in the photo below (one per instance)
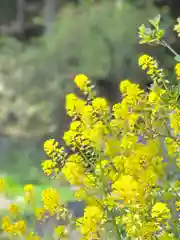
(125, 160)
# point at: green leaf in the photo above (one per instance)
(177, 58)
(156, 21)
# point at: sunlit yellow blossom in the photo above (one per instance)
(6, 224)
(75, 126)
(118, 159)
(178, 206)
(74, 172)
(74, 105)
(177, 71)
(17, 228)
(91, 221)
(48, 167)
(32, 236)
(125, 188)
(89, 180)
(81, 81)
(50, 145)
(60, 231)
(128, 141)
(145, 61)
(80, 194)
(151, 66)
(100, 105)
(13, 209)
(120, 111)
(133, 224)
(124, 85)
(131, 91)
(40, 213)
(160, 211)
(53, 150)
(112, 147)
(177, 27)
(175, 121)
(87, 114)
(21, 226)
(155, 95)
(172, 146)
(28, 192)
(2, 185)
(50, 199)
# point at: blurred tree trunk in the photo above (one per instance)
(49, 13)
(20, 15)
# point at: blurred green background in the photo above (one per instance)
(43, 44)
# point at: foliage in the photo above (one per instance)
(125, 162)
(92, 39)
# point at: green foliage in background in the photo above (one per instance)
(96, 39)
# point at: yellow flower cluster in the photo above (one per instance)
(127, 149)
(151, 66)
(52, 167)
(17, 229)
(124, 159)
(29, 193)
(14, 228)
(90, 224)
(2, 185)
(177, 27)
(13, 225)
(51, 201)
(177, 70)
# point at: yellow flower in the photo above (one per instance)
(2, 185)
(112, 147)
(175, 121)
(160, 212)
(91, 221)
(80, 194)
(124, 85)
(60, 231)
(177, 71)
(40, 213)
(133, 224)
(87, 114)
(178, 206)
(131, 92)
(32, 236)
(51, 200)
(74, 105)
(125, 188)
(145, 61)
(74, 172)
(100, 105)
(51, 147)
(13, 209)
(18, 228)
(48, 167)
(155, 95)
(28, 188)
(151, 66)
(21, 226)
(81, 81)
(177, 27)
(28, 193)
(6, 224)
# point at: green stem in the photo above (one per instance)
(116, 227)
(169, 47)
